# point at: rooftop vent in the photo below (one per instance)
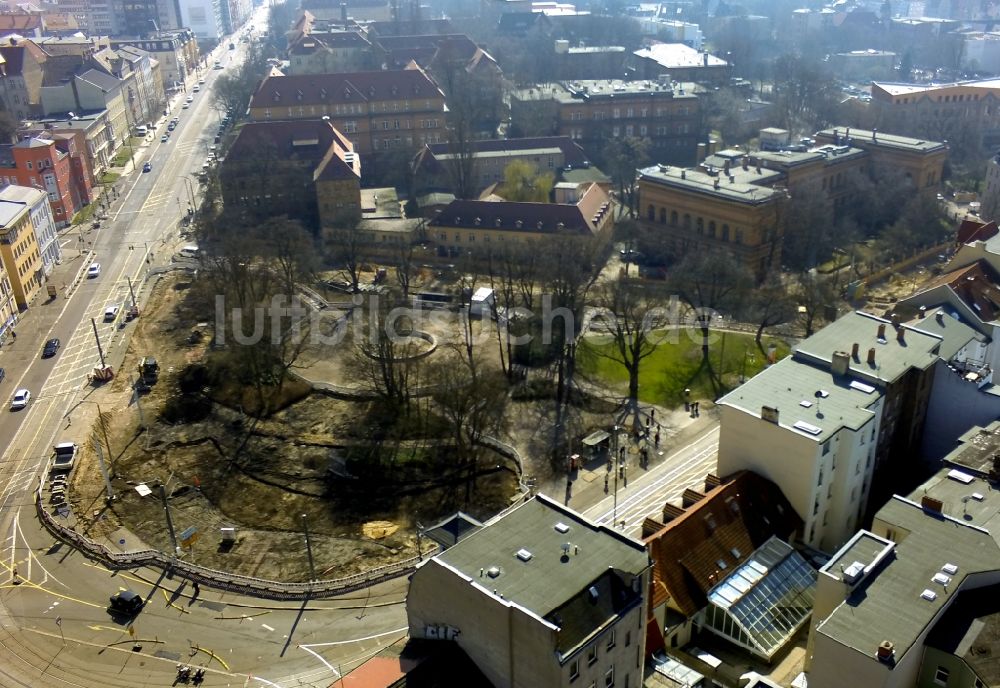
(721, 564)
(928, 595)
(562, 527)
(594, 594)
(885, 651)
(493, 571)
(950, 569)
(853, 572)
(735, 552)
(523, 555)
(941, 578)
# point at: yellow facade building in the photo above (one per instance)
(19, 251)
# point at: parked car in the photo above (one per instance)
(50, 349)
(164, 138)
(20, 400)
(185, 106)
(65, 455)
(94, 270)
(147, 167)
(111, 312)
(125, 603)
(190, 99)
(201, 81)
(3, 374)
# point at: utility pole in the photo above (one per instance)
(132, 292)
(100, 351)
(104, 470)
(104, 431)
(170, 524)
(309, 552)
(138, 404)
(614, 467)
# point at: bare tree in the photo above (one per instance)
(813, 293)
(770, 305)
(348, 246)
(385, 353)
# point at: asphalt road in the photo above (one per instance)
(54, 626)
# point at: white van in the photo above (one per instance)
(189, 251)
(141, 130)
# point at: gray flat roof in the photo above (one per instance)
(578, 90)
(863, 137)
(892, 357)
(9, 210)
(24, 195)
(864, 548)
(547, 580)
(977, 447)
(887, 605)
(954, 333)
(695, 181)
(964, 496)
(789, 384)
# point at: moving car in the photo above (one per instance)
(196, 88)
(65, 454)
(94, 270)
(164, 138)
(111, 312)
(185, 106)
(50, 348)
(218, 65)
(20, 400)
(201, 81)
(125, 602)
(3, 374)
(147, 167)
(189, 99)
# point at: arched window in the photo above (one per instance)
(711, 229)
(725, 232)
(663, 216)
(651, 213)
(673, 218)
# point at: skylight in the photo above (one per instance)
(523, 554)
(929, 595)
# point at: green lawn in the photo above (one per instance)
(675, 365)
(110, 177)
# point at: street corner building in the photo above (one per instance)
(538, 597)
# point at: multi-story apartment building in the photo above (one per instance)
(377, 111)
(234, 14)
(831, 423)
(8, 305)
(141, 87)
(41, 220)
(19, 252)
(591, 112)
(94, 139)
(920, 161)
(539, 597)
(304, 169)
(94, 17)
(38, 163)
(912, 600)
(170, 51)
(203, 17)
(21, 76)
(952, 112)
(90, 91)
(73, 142)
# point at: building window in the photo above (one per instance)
(574, 669)
(628, 638)
(611, 639)
(651, 213)
(609, 677)
(591, 654)
(673, 218)
(29, 164)
(941, 676)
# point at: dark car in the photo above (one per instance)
(50, 348)
(125, 603)
(3, 374)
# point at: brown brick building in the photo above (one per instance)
(591, 112)
(376, 111)
(304, 169)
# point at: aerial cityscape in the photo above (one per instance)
(500, 343)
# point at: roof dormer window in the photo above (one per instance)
(347, 93)
(298, 95)
(322, 93)
(519, 224)
(394, 90)
(539, 225)
(371, 91)
(498, 222)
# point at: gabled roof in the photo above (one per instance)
(315, 141)
(972, 230)
(18, 23)
(351, 87)
(976, 285)
(545, 218)
(727, 525)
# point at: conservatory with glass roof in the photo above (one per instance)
(764, 601)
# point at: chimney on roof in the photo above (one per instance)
(725, 166)
(684, 174)
(840, 363)
(923, 312)
(854, 351)
(932, 504)
(895, 320)
(715, 184)
(871, 356)
(874, 134)
(836, 137)
(881, 330)
(671, 511)
(900, 335)
(885, 651)
(746, 163)
(343, 12)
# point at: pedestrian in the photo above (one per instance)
(687, 399)
(197, 589)
(652, 413)
(697, 412)
(13, 334)
(657, 439)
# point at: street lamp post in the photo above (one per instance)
(309, 552)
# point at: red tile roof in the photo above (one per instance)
(351, 87)
(976, 285)
(20, 22)
(972, 230)
(732, 521)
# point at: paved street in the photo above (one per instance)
(54, 627)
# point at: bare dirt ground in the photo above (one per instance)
(219, 471)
